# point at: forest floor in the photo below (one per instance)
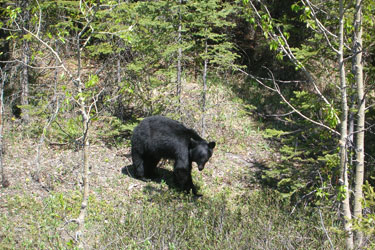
(237, 157)
(111, 170)
(234, 213)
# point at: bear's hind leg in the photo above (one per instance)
(138, 164)
(150, 167)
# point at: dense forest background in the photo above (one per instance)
(285, 88)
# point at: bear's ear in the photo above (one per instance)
(212, 145)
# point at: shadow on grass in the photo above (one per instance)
(163, 175)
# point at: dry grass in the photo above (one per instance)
(128, 213)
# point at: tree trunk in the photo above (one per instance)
(4, 181)
(204, 91)
(119, 70)
(86, 187)
(85, 144)
(25, 61)
(179, 58)
(344, 136)
(360, 129)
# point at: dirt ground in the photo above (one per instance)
(111, 170)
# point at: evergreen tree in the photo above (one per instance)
(208, 23)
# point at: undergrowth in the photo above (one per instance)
(235, 212)
(163, 220)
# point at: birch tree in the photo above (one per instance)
(337, 43)
(344, 133)
(26, 55)
(4, 181)
(179, 56)
(360, 128)
(83, 95)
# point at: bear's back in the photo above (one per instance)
(160, 127)
(159, 136)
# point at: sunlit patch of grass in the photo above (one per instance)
(172, 220)
(162, 219)
(32, 223)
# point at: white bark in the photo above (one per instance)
(4, 181)
(179, 58)
(204, 92)
(85, 143)
(360, 129)
(344, 135)
(24, 76)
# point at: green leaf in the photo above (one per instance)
(93, 80)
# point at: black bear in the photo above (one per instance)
(159, 137)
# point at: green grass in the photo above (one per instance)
(125, 213)
(162, 219)
(32, 223)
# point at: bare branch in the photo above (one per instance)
(281, 115)
(52, 50)
(302, 115)
(42, 138)
(277, 89)
(256, 79)
(289, 53)
(40, 18)
(323, 29)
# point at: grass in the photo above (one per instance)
(125, 213)
(161, 219)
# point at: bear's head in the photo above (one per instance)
(200, 152)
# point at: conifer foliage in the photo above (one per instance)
(303, 68)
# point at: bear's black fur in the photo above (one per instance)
(159, 137)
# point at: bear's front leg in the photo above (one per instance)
(184, 181)
(194, 189)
